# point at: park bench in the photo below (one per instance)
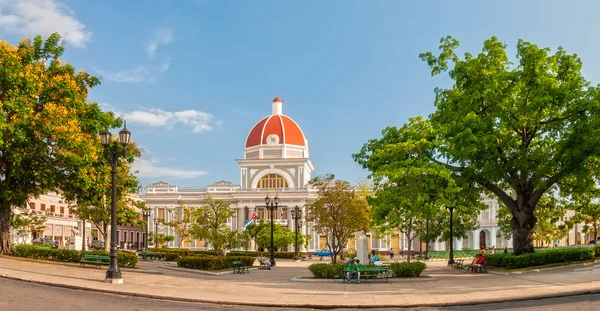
(96, 260)
(367, 273)
(458, 264)
(263, 263)
(238, 267)
(478, 268)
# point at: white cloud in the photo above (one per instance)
(160, 36)
(151, 168)
(140, 74)
(199, 121)
(43, 17)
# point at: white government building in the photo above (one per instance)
(277, 162)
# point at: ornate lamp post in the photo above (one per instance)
(272, 206)
(146, 216)
(451, 255)
(113, 152)
(297, 216)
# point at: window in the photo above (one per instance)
(52, 208)
(43, 207)
(137, 235)
(62, 209)
(161, 214)
(131, 240)
(32, 205)
(271, 181)
(125, 236)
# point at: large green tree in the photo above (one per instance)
(517, 129)
(282, 237)
(48, 128)
(338, 212)
(412, 188)
(210, 224)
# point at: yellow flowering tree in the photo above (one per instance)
(49, 131)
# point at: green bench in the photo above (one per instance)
(238, 267)
(96, 260)
(371, 273)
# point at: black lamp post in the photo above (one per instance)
(427, 239)
(451, 255)
(272, 206)
(146, 216)
(297, 216)
(113, 152)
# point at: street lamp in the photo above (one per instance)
(451, 255)
(272, 206)
(427, 239)
(113, 152)
(146, 216)
(297, 216)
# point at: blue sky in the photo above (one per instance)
(193, 76)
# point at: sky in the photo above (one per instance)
(192, 77)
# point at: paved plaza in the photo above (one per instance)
(273, 288)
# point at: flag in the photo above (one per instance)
(249, 221)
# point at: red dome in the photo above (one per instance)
(284, 127)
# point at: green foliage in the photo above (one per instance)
(511, 261)
(327, 270)
(181, 223)
(126, 259)
(338, 211)
(407, 270)
(282, 236)
(209, 223)
(517, 128)
(212, 263)
(549, 214)
(412, 186)
(49, 130)
(27, 222)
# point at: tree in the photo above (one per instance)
(516, 129)
(182, 223)
(210, 224)
(282, 236)
(49, 131)
(551, 221)
(338, 211)
(160, 239)
(412, 188)
(27, 222)
(92, 194)
(588, 211)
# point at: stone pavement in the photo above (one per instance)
(273, 287)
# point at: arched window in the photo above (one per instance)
(271, 181)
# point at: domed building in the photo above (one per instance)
(276, 162)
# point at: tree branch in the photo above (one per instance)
(448, 166)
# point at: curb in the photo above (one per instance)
(591, 263)
(390, 280)
(308, 305)
(200, 271)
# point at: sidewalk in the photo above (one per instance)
(272, 287)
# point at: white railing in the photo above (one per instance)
(488, 221)
(281, 222)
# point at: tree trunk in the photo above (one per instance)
(595, 231)
(5, 210)
(409, 242)
(522, 223)
(106, 237)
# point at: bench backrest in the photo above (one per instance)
(236, 262)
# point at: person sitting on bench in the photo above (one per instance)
(353, 271)
(477, 262)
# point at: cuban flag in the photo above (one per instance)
(249, 221)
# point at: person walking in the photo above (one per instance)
(391, 253)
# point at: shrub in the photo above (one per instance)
(545, 257)
(597, 251)
(405, 269)
(326, 270)
(126, 259)
(212, 263)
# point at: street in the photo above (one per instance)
(23, 296)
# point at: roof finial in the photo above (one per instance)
(277, 106)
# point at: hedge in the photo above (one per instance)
(126, 259)
(597, 250)
(407, 270)
(511, 261)
(212, 263)
(332, 271)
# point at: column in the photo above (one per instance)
(476, 239)
(458, 244)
